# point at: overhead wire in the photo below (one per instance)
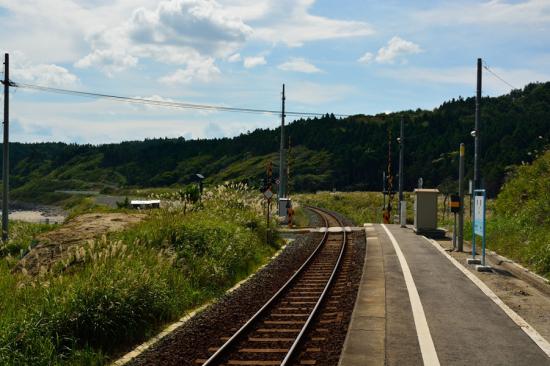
(486, 67)
(164, 103)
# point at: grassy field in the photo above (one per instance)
(125, 286)
(360, 207)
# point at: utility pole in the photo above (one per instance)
(5, 161)
(282, 169)
(476, 129)
(401, 158)
(460, 245)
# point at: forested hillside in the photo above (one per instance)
(326, 152)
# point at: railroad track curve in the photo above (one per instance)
(276, 333)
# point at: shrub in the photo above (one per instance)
(116, 291)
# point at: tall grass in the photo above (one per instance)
(21, 239)
(118, 290)
(520, 228)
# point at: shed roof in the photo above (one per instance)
(426, 190)
(144, 202)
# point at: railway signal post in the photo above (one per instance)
(402, 210)
(282, 160)
(268, 194)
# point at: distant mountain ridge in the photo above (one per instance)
(326, 153)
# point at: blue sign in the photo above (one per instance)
(479, 222)
(479, 214)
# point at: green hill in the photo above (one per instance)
(346, 154)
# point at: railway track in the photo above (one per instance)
(288, 327)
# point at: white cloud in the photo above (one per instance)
(109, 60)
(23, 70)
(290, 22)
(213, 130)
(467, 76)
(396, 48)
(104, 121)
(234, 58)
(202, 70)
(176, 31)
(299, 65)
(250, 62)
(200, 24)
(525, 13)
(53, 31)
(316, 94)
(366, 58)
(154, 98)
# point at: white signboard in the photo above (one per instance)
(479, 212)
(268, 194)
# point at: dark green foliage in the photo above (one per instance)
(191, 193)
(346, 154)
(124, 204)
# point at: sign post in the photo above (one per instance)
(479, 229)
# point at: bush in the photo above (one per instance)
(520, 228)
(127, 285)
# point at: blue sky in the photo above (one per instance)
(346, 56)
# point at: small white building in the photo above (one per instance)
(144, 204)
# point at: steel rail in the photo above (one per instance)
(297, 341)
(237, 335)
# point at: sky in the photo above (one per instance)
(342, 57)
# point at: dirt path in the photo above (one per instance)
(57, 244)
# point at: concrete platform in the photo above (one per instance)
(365, 341)
(408, 281)
(332, 229)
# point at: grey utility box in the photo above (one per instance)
(425, 211)
(283, 202)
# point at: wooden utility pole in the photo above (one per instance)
(476, 129)
(282, 169)
(5, 161)
(401, 168)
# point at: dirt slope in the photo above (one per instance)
(57, 244)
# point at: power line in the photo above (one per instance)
(486, 67)
(161, 103)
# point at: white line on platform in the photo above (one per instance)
(427, 348)
(540, 341)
